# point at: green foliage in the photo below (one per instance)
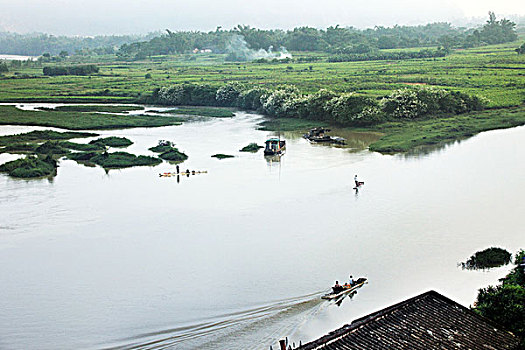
(521, 50)
(85, 147)
(84, 69)
(252, 147)
(44, 135)
(251, 99)
(19, 148)
(404, 135)
(505, 303)
(168, 151)
(115, 160)
(485, 259)
(112, 141)
(185, 94)
(203, 112)
(349, 108)
(30, 167)
(173, 155)
(52, 148)
(96, 108)
(228, 94)
(222, 156)
(497, 32)
(385, 55)
(9, 115)
(162, 146)
(3, 67)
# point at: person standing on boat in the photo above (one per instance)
(352, 282)
(177, 167)
(356, 181)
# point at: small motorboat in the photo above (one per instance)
(345, 289)
(320, 135)
(274, 146)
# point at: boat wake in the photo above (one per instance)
(254, 328)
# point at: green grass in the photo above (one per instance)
(112, 141)
(10, 115)
(222, 156)
(215, 112)
(41, 136)
(115, 160)
(173, 155)
(494, 72)
(404, 136)
(252, 147)
(30, 167)
(488, 258)
(289, 124)
(97, 108)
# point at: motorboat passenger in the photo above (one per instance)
(337, 288)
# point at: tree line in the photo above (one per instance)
(335, 39)
(81, 69)
(346, 109)
(36, 44)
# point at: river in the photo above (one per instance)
(238, 257)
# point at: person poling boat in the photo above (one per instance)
(357, 182)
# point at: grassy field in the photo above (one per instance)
(495, 72)
(10, 115)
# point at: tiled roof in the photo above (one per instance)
(427, 321)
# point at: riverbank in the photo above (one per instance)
(74, 120)
(404, 136)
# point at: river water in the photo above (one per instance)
(238, 257)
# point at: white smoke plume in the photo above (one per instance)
(238, 51)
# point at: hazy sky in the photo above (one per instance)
(90, 17)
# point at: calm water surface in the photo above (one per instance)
(238, 257)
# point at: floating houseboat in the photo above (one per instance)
(274, 146)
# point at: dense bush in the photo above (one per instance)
(112, 141)
(228, 94)
(382, 55)
(3, 67)
(350, 109)
(345, 109)
(84, 69)
(30, 167)
(505, 303)
(173, 155)
(162, 146)
(122, 160)
(186, 94)
(251, 99)
(51, 147)
(485, 259)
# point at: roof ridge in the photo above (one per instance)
(363, 321)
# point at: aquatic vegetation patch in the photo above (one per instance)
(252, 147)
(162, 146)
(81, 146)
(52, 148)
(112, 141)
(10, 115)
(96, 108)
(115, 160)
(30, 167)
(222, 156)
(42, 135)
(173, 155)
(202, 111)
(19, 148)
(488, 258)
